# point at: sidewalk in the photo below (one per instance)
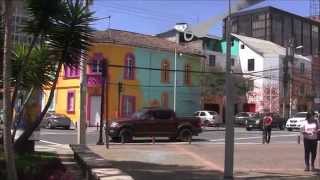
(65, 154)
(206, 161)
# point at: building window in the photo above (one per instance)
(259, 26)
(128, 105)
(130, 64)
(96, 67)
(212, 60)
(301, 90)
(242, 46)
(71, 72)
(165, 74)
(70, 101)
(250, 85)
(302, 68)
(187, 74)
(306, 39)
(165, 100)
(315, 40)
(250, 64)
(277, 28)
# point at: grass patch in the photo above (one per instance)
(37, 165)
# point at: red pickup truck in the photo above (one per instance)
(155, 122)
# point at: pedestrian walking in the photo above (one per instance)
(267, 121)
(310, 130)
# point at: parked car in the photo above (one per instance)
(54, 120)
(209, 118)
(256, 121)
(241, 118)
(155, 122)
(296, 121)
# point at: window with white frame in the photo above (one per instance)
(250, 64)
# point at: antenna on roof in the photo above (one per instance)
(202, 28)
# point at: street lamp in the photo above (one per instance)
(103, 85)
(291, 53)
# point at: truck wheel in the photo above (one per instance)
(185, 135)
(289, 129)
(125, 135)
(115, 139)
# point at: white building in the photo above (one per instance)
(262, 62)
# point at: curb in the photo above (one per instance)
(95, 167)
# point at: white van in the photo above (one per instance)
(296, 121)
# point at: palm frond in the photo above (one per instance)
(40, 70)
(71, 33)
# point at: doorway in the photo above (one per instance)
(95, 110)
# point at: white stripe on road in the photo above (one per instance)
(49, 142)
(257, 137)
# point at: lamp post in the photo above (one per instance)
(229, 136)
(103, 85)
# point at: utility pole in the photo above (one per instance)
(106, 67)
(229, 137)
(81, 136)
(119, 97)
(287, 77)
(285, 83)
(270, 93)
(103, 85)
(175, 80)
(291, 58)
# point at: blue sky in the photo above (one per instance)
(154, 16)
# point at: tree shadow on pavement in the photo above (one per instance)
(148, 171)
(275, 176)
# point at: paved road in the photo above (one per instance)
(209, 136)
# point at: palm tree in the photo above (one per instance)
(67, 39)
(38, 73)
(7, 47)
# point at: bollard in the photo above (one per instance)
(298, 139)
(263, 137)
(97, 126)
(153, 140)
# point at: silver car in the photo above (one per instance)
(242, 117)
(55, 120)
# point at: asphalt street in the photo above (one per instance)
(212, 135)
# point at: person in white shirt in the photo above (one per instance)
(309, 129)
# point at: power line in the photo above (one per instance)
(152, 13)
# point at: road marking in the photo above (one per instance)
(49, 142)
(195, 156)
(257, 137)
